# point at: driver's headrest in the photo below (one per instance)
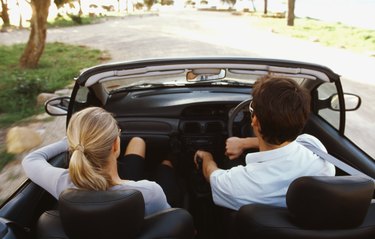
(326, 202)
(101, 214)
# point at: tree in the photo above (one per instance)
(148, 4)
(38, 34)
(20, 21)
(4, 14)
(230, 2)
(265, 7)
(291, 5)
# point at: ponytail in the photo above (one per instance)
(84, 175)
(91, 134)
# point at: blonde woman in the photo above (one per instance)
(94, 143)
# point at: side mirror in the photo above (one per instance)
(57, 106)
(352, 102)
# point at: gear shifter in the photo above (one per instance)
(199, 183)
(199, 161)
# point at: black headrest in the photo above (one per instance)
(101, 214)
(326, 202)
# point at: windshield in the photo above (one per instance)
(189, 77)
(172, 79)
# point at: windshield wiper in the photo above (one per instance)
(222, 82)
(140, 86)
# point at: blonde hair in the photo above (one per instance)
(91, 133)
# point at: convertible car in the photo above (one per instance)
(180, 105)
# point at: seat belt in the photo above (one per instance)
(341, 165)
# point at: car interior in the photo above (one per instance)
(198, 104)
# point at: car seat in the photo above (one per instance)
(317, 207)
(111, 214)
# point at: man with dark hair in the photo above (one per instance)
(279, 111)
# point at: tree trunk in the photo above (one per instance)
(252, 2)
(20, 22)
(38, 34)
(265, 7)
(80, 8)
(4, 14)
(291, 5)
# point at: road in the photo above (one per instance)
(196, 33)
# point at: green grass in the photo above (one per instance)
(5, 159)
(19, 88)
(328, 34)
(65, 21)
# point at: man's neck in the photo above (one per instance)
(264, 146)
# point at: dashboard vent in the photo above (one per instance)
(214, 127)
(192, 127)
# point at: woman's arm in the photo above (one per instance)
(40, 171)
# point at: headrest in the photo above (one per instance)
(325, 202)
(101, 214)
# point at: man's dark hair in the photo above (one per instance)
(281, 107)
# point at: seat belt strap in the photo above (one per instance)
(341, 165)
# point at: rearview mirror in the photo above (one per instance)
(205, 74)
(57, 106)
(352, 102)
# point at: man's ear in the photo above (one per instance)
(255, 122)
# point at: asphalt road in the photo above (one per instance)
(196, 33)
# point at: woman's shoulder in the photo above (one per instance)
(141, 185)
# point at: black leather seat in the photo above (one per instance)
(111, 214)
(317, 207)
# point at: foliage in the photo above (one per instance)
(148, 3)
(230, 2)
(167, 2)
(58, 66)
(60, 3)
(138, 5)
(62, 21)
(5, 158)
(76, 18)
(328, 34)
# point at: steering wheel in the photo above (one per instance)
(234, 113)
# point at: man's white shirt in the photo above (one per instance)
(267, 175)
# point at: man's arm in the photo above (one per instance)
(208, 163)
(236, 146)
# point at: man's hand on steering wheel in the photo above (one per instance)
(234, 147)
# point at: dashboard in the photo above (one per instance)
(180, 120)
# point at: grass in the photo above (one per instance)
(65, 21)
(328, 34)
(5, 159)
(58, 66)
(72, 20)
